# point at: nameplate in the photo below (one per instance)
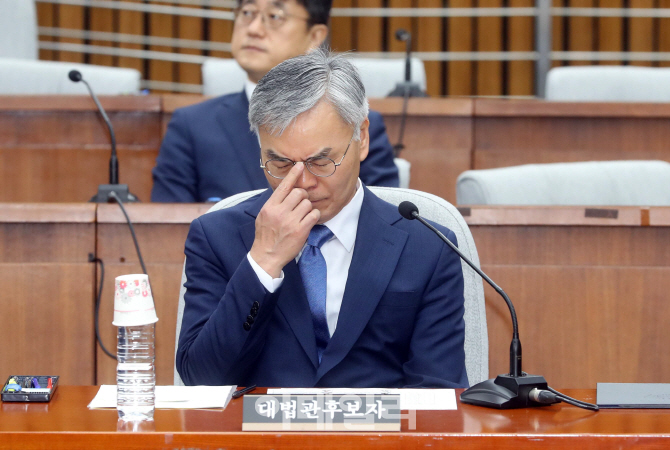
(321, 413)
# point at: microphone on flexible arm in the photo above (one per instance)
(105, 191)
(405, 89)
(515, 389)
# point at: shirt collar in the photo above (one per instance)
(345, 224)
(249, 87)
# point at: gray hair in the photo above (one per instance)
(298, 84)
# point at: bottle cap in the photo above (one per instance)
(133, 301)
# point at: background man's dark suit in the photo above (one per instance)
(400, 324)
(209, 152)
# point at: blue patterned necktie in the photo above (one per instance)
(314, 276)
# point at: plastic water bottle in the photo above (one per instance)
(135, 372)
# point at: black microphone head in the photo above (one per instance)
(401, 34)
(75, 75)
(407, 210)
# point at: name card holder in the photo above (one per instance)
(321, 413)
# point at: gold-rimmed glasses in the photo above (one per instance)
(320, 166)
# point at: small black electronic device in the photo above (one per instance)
(29, 388)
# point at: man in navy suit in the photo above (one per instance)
(318, 282)
(209, 152)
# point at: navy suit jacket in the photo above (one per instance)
(209, 153)
(400, 323)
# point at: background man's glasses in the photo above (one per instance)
(319, 166)
(272, 18)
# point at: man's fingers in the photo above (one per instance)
(311, 219)
(286, 185)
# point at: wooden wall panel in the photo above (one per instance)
(71, 18)
(190, 28)
(102, 19)
(663, 33)
(132, 23)
(489, 39)
(220, 31)
(520, 74)
(395, 23)
(161, 25)
(580, 31)
(341, 29)
(460, 32)
(428, 38)
(369, 30)
(641, 31)
(46, 18)
(610, 31)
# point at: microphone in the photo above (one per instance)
(405, 89)
(507, 391)
(105, 190)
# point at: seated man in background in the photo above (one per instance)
(208, 152)
(317, 281)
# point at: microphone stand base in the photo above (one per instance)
(121, 190)
(413, 88)
(505, 392)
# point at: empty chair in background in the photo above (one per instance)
(608, 84)
(621, 183)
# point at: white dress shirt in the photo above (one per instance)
(337, 252)
(249, 87)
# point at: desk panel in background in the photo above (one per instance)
(46, 304)
(57, 148)
(590, 292)
(590, 287)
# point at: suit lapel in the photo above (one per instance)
(376, 253)
(234, 121)
(292, 301)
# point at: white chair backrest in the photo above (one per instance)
(18, 29)
(642, 183)
(608, 84)
(222, 76)
(404, 168)
(380, 76)
(438, 210)
(25, 77)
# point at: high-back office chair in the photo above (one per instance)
(18, 29)
(222, 76)
(380, 76)
(642, 183)
(608, 84)
(23, 74)
(440, 211)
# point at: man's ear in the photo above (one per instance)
(317, 35)
(364, 144)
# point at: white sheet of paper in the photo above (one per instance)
(410, 399)
(182, 397)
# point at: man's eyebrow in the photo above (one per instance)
(323, 153)
(271, 154)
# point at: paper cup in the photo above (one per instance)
(133, 301)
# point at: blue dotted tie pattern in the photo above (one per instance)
(314, 274)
